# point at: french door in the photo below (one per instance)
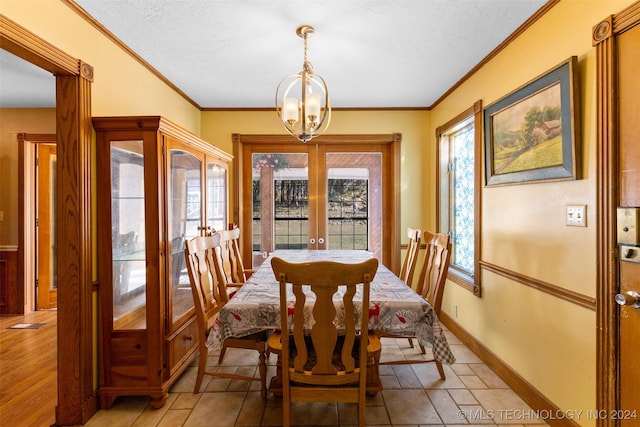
(331, 193)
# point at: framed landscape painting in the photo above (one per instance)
(533, 133)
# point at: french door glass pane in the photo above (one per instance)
(280, 202)
(185, 218)
(354, 201)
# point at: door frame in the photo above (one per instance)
(391, 220)
(76, 398)
(607, 198)
(27, 146)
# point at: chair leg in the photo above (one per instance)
(262, 367)
(223, 350)
(286, 410)
(202, 366)
(410, 342)
(422, 349)
(440, 370)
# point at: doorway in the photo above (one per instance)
(334, 192)
(37, 171)
(76, 397)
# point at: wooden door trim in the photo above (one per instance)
(76, 397)
(391, 193)
(26, 215)
(607, 199)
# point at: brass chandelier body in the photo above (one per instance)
(308, 116)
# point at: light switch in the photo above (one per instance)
(576, 215)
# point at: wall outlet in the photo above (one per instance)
(577, 215)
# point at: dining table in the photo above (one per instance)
(394, 307)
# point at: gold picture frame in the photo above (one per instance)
(533, 133)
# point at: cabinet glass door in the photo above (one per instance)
(128, 235)
(216, 196)
(184, 189)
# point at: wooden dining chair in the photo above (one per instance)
(324, 364)
(210, 295)
(410, 259)
(431, 281)
(411, 256)
(433, 274)
(235, 273)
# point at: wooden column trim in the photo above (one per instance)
(76, 397)
(607, 199)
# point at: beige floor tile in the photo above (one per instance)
(252, 410)
(151, 416)
(463, 354)
(186, 401)
(389, 382)
(490, 378)
(429, 377)
(314, 414)
(174, 418)
(409, 407)
(507, 406)
(374, 415)
(221, 409)
(472, 381)
(476, 415)
(463, 397)
(445, 405)
(406, 376)
(124, 412)
(187, 381)
(462, 369)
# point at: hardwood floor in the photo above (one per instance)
(28, 370)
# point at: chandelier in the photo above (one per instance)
(308, 116)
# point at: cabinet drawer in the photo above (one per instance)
(183, 343)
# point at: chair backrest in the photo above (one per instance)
(433, 274)
(411, 256)
(314, 362)
(230, 256)
(207, 285)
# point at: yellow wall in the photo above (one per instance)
(548, 341)
(12, 122)
(217, 128)
(121, 85)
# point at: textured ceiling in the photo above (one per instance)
(372, 53)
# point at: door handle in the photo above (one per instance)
(631, 298)
(312, 241)
(320, 241)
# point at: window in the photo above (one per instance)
(459, 174)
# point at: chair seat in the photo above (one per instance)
(374, 345)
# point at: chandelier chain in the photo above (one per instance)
(306, 65)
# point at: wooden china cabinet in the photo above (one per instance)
(158, 185)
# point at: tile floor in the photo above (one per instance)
(413, 395)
